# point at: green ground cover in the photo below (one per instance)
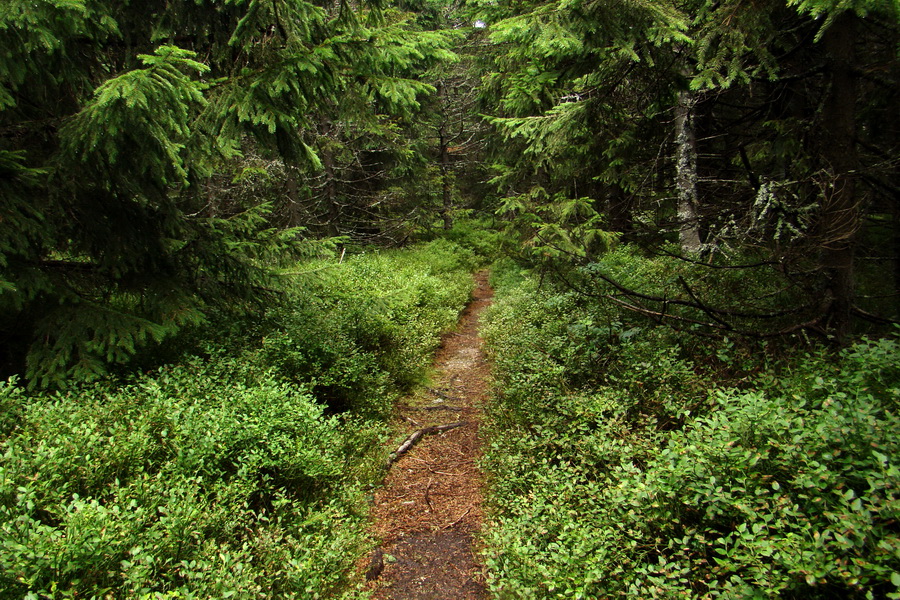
(239, 470)
(628, 460)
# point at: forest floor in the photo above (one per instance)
(428, 513)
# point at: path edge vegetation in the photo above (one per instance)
(242, 469)
(627, 459)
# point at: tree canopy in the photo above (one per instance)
(128, 129)
(758, 133)
(159, 158)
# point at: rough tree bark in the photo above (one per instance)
(840, 216)
(686, 174)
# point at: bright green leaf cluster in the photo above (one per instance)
(620, 467)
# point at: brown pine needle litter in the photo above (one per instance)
(429, 510)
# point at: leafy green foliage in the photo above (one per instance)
(481, 236)
(227, 475)
(740, 297)
(194, 481)
(620, 467)
(359, 331)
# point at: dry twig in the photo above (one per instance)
(416, 436)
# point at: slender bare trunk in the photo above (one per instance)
(686, 174)
(293, 194)
(446, 183)
(895, 221)
(331, 192)
(618, 206)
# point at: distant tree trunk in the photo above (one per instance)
(618, 206)
(212, 202)
(446, 183)
(895, 221)
(686, 174)
(840, 217)
(293, 194)
(330, 190)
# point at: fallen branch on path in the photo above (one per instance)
(441, 407)
(461, 517)
(441, 394)
(427, 497)
(416, 436)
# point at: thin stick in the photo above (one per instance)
(427, 497)
(462, 516)
(441, 394)
(418, 434)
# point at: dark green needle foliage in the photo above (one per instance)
(119, 121)
(749, 132)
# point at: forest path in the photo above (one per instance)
(429, 510)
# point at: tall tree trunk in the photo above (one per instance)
(330, 190)
(446, 183)
(840, 218)
(895, 222)
(686, 174)
(619, 205)
(293, 194)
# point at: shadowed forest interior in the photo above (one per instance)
(234, 233)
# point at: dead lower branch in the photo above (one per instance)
(441, 394)
(416, 436)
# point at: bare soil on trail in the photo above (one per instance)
(429, 509)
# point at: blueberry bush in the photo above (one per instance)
(240, 470)
(628, 460)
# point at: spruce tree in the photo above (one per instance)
(750, 120)
(115, 116)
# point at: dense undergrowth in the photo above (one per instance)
(628, 460)
(239, 471)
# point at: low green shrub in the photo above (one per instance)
(620, 468)
(360, 331)
(480, 235)
(228, 475)
(196, 481)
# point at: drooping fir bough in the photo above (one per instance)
(729, 133)
(122, 125)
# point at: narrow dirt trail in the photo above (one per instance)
(429, 509)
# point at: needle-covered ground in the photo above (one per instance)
(429, 510)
